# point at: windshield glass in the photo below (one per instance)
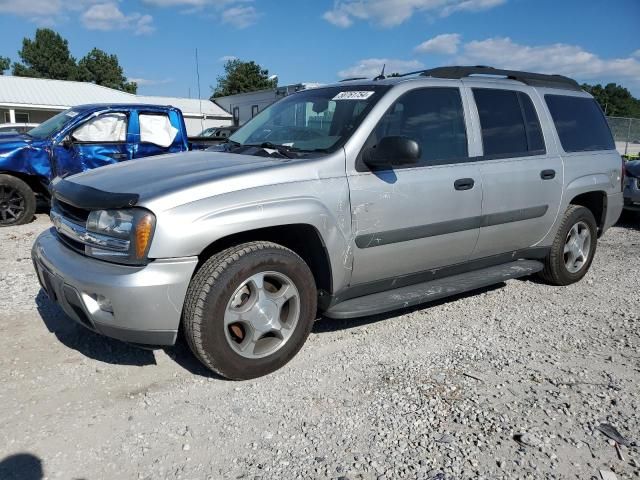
(319, 119)
(53, 125)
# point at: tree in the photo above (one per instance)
(5, 63)
(47, 56)
(243, 77)
(615, 100)
(100, 68)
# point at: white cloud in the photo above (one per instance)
(444, 44)
(240, 17)
(44, 12)
(227, 58)
(636, 53)
(390, 13)
(570, 60)
(108, 16)
(371, 67)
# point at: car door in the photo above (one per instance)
(100, 140)
(410, 219)
(157, 133)
(522, 178)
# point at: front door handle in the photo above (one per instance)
(547, 174)
(464, 184)
(118, 156)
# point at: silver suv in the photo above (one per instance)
(348, 200)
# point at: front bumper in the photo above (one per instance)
(146, 302)
(632, 194)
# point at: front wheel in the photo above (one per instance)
(249, 309)
(17, 201)
(573, 248)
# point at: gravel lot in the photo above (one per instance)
(510, 382)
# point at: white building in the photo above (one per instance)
(245, 106)
(34, 100)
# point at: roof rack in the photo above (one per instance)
(352, 79)
(533, 79)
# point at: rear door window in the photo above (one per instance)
(156, 128)
(580, 123)
(509, 123)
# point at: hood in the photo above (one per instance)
(12, 141)
(159, 176)
(632, 168)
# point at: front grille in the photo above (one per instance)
(75, 214)
(71, 243)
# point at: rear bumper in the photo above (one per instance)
(632, 194)
(146, 302)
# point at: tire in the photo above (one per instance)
(17, 201)
(556, 270)
(227, 283)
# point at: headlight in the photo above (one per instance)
(122, 236)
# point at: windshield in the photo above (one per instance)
(319, 119)
(53, 125)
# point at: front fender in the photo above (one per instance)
(26, 159)
(189, 229)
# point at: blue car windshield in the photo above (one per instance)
(319, 119)
(53, 125)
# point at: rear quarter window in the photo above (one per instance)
(580, 123)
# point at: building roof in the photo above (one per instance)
(62, 94)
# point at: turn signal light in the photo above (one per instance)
(144, 229)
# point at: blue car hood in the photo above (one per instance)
(23, 154)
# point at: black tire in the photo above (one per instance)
(17, 201)
(555, 270)
(210, 291)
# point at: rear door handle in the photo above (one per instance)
(547, 174)
(464, 184)
(118, 156)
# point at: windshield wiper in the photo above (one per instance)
(283, 150)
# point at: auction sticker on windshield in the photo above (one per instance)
(353, 95)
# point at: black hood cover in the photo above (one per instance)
(89, 198)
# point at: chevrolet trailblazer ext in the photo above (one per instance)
(349, 200)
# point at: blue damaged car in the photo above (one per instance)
(80, 139)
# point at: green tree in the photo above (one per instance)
(615, 100)
(100, 68)
(46, 56)
(5, 63)
(243, 77)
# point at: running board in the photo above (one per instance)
(432, 290)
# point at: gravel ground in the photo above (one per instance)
(510, 382)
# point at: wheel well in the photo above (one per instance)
(301, 238)
(596, 202)
(31, 180)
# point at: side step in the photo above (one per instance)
(432, 290)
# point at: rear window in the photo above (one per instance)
(580, 123)
(509, 123)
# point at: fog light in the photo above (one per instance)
(104, 303)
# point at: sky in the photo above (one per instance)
(593, 41)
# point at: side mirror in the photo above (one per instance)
(391, 151)
(66, 142)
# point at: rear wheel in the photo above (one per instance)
(17, 201)
(249, 309)
(573, 248)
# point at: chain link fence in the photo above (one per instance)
(626, 132)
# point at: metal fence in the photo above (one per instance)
(626, 132)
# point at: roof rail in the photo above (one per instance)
(533, 79)
(352, 79)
